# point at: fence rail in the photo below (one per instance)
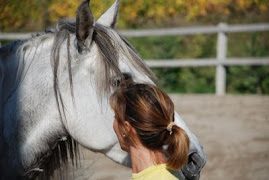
(168, 63)
(220, 61)
(222, 27)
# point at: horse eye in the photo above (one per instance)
(127, 76)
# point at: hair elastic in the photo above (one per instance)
(170, 126)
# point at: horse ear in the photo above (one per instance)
(84, 26)
(110, 17)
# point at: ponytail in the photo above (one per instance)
(150, 111)
(178, 148)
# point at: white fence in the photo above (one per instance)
(220, 61)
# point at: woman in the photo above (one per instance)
(144, 125)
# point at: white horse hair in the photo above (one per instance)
(54, 91)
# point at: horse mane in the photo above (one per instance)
(110, 44)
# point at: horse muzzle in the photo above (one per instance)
(192, 170)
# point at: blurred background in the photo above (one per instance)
(36, 15)
(234, 128)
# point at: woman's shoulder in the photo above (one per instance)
(160, 172)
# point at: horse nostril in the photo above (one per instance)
(192, 170)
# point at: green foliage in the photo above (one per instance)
(175, 47)
(35, 15)
(16, 14)
(247, 79)
(24, 15)
(254, 44)
(185, 80)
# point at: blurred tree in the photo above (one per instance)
(35, 15)
(18, 15)
(67, 8)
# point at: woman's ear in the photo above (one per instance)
(128, 127)
(131, 133)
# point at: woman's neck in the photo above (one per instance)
(143, 158)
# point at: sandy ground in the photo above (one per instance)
(234, 131)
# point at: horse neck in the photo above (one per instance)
(35, 120)
(8, 67)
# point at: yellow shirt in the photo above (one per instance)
(158, 172)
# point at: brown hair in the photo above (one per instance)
(149, 111)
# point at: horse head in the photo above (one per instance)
(55, 87)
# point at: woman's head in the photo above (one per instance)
(149, 111)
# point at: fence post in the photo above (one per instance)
(221, 56)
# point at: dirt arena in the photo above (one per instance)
(234, 131)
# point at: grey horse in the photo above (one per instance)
(54, 91)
